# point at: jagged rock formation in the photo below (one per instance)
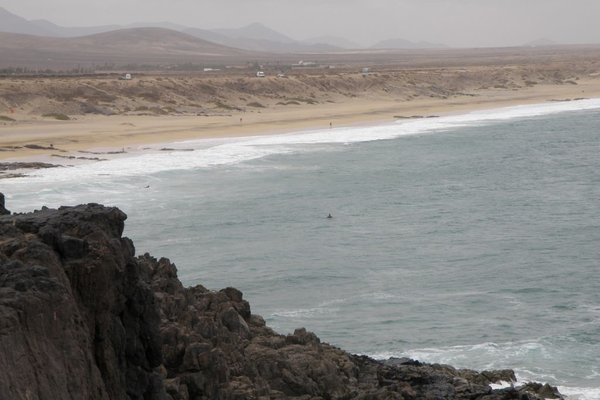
(76, 320)
(82, 318)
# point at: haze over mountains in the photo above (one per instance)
(253, 37)
(133, 46)
(42, 45)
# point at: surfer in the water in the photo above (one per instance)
(329, 216)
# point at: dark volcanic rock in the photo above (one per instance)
(3, 211)
(82, 318)
(11, 166)
(77, 320)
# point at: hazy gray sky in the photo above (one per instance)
(453, 22)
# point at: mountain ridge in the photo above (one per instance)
(252, 37)
(13, 23)
(156, 46)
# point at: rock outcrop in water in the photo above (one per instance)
(82, 318)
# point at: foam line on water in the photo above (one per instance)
(490, 356)
(214, 152)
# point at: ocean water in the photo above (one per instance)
(472, 240)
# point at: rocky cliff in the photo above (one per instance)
(82, 318)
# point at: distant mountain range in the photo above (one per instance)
(257, 37)
(140, 46)
(15, 24)
(335, 41)
(254, 37)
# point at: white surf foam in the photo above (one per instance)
(212, 153)
(570, 393)
(578, 393)
(490, 356)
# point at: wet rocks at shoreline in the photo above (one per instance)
(11, 166)
(79, 158)
(18, 169)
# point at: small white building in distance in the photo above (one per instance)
(260, 74)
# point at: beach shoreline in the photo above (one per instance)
(89, 137)
(137, 186)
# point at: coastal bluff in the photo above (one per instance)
(83, 317)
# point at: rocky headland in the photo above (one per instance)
(81, 317)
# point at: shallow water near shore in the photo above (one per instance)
(469, 240)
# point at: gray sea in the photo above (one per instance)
(472, 240)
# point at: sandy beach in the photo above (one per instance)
(110, 133)
(49, 117)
